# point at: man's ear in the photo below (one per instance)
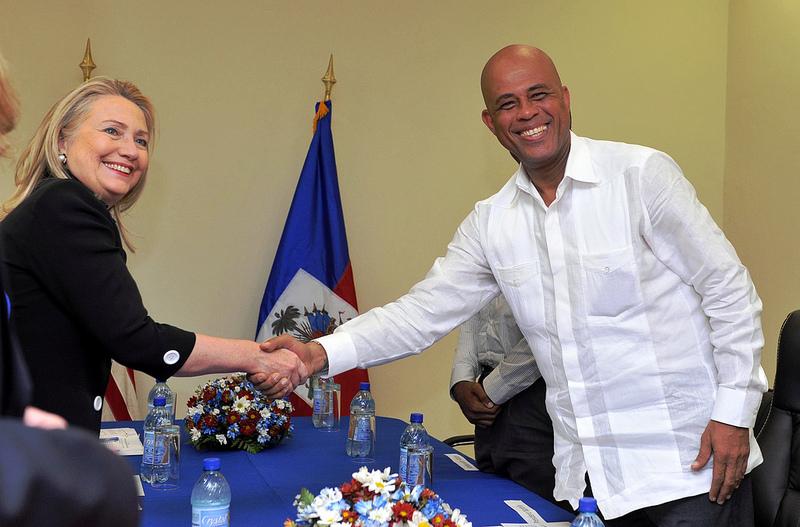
(487, 120)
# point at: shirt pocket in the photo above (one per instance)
(612, 282)
(522, 286)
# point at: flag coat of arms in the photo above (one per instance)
(310, 291)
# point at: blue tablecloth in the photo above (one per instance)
(264, 485)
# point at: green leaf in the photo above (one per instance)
(305, 496)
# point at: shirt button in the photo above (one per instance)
(171, 357)
(606, 269)
(98, 403)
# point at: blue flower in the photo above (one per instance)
(233, 431)
(432, 508)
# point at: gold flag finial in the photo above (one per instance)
(87, 64)
(329, 80)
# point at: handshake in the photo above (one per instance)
(285, 364)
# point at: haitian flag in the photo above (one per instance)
(310, 291)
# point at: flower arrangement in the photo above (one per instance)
(374, 499)
(230, 413)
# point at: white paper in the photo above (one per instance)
(527, 512)
(462, 462)
(138, 482)
(123, 441)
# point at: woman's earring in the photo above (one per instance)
(63, 158)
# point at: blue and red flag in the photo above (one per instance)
(310, 290)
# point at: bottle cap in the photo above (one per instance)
(587, 505)
(160, 401)
(364, 386)
(416, 417)
(211, 463)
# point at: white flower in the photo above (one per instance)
(325, 497)
(222, 439)
(215, 411)
(381, 482)
(381, 514)
(460, 519)
(362, 476)
(329, 516)
(242, 404)
(195, 434)
(265, 412)
(280, 404)
(195, 410)
(418, 520)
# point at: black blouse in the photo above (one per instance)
(75, 306)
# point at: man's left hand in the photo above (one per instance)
(730, 446)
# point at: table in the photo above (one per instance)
(263, 486)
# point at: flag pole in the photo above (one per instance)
(329, 79)
(87, 64)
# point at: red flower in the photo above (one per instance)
(449, 523)
(247, 428)
(253, 415)
(402, 511)
(210, 421)
(349, 516)
(209, 393)
(233, 417)
(352, 490)
(192, 401)
(227, 397)
(437, 521)
(427, 494)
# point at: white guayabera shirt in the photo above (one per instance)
(642, 319)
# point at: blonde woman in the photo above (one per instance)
(75, 305)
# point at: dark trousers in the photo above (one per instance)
(695, 511)
(519, 444)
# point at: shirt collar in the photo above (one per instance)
(579, 166)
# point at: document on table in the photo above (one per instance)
(123, 441)
(531, 517)
(462, 462)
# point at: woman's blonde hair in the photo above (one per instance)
(40, 157)
(9, 107)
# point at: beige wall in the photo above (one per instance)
(762, 187)
(235, 89)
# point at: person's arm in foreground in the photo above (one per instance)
(62, 477)
(684, 237)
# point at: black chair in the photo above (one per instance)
(776, 482)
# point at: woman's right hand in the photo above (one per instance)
(38, 418)
(281, 371)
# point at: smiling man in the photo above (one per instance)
(643, 322)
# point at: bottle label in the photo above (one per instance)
(148, 456)
(416, 468)
(363, 430)
(317, 402)
(210, 517)
(401, 469)
(155, 449)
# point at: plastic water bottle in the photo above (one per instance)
(414, 452)
(211, 497)
(160, 388)
(587, 514)
(153, 469)
(361, 434)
